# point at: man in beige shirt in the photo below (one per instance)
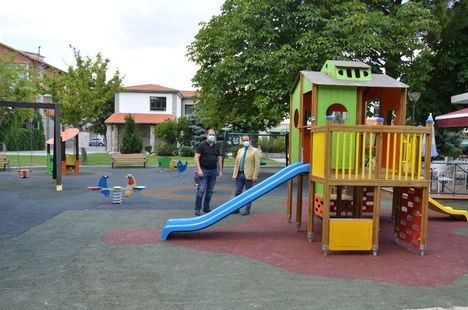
(246, 168)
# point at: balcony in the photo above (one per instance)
(375, 155)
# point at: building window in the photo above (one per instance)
(157, 103)
(189, 110)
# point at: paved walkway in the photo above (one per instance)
(55, 253)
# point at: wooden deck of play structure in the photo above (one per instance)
(370, 155)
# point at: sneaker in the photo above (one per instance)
(207, 210)
(197, 213)
(245, 212)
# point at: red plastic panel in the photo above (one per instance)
(368, 199)
(318, 205)
(408, 216)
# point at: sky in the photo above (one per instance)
(145, 39)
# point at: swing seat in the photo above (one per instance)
(24, 173)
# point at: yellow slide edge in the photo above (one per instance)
(438, 207)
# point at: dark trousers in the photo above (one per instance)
(206, 187)
(242, 182)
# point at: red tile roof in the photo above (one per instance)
(140, 118)
(149, 88)
(188, 93)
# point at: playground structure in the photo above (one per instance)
(348, 159)
(70, 162)
(167, 163)
(57, 171)
(117, 191)
(351, 160)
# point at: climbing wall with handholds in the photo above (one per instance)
(318, 206)
(408, 217)
(368, 199)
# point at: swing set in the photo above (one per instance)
(57, 167)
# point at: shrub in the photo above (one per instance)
(166, 150)
(272, 144)
(131, 142)
(186, 151)
(148, 148)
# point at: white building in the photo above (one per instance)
(149, 105)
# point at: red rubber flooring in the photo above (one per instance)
(269, 238)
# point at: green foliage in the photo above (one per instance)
(449, 143)
(450, 75)
(186, 151)
(166, 149)
(85, 92)
(272, 144)
(148, 148)
(174, 132)
(250, 55)
(131, 142)
(16, 84)
(167, 131)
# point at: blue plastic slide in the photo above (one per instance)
(226, 209)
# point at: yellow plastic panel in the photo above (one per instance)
(350, 234)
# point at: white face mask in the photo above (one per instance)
(246, 143)
(211, 138)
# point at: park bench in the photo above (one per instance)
(118, 158)
(3, 161)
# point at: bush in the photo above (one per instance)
(166, 150)
(148, 148)
(272, 145)
(186, 151)
(131, 142)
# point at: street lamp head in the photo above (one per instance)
(414, 96)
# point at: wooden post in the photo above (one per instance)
(425, 191)
(290, 194)
(299, 202)
(376, 221)
(311, 217)
(326, 188)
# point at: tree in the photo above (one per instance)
(131, 142)
(85, 93)
(17, 83)
(250, 55)
(174, 132)
(450, 75)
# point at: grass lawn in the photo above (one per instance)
(104, 159)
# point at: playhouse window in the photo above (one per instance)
(339, 113)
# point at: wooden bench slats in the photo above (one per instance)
(129, 158)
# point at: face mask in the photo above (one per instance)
(211, 138)
(246, 143)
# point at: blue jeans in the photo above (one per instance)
(206, 187)
(242, 182)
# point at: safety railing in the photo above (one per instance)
(369, 152)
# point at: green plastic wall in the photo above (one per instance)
(328, 95)
(294, 132)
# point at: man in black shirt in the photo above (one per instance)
(208, 162)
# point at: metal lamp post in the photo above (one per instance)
(414, 97)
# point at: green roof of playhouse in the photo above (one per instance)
(349, 73)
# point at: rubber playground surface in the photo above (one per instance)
(75, 250)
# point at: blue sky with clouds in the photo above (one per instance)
(145, 39)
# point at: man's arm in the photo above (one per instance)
(236, 165)
(220, 165)
(197, 164)
(257, 156)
